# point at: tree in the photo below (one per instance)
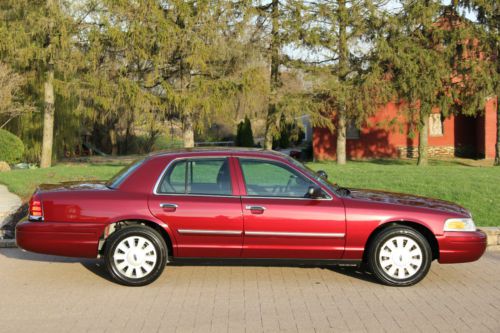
(244, 134)
(486, 71)
(11, 101)
(419, 63)
(351, 83)
(37, 41)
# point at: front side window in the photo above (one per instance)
(197, 176)
(272, 179)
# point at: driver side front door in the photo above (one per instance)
(280, 221)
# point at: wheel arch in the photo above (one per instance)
(114, 226)
(422, 229)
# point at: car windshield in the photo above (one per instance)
(123, 174)
(314, 175)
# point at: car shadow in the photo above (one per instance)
(97, 266)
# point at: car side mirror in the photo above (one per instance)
(314, 192)
(322, 174)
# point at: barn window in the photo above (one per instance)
(436, 125)
(352, 132)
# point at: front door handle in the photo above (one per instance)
(255, 209)
(169, 207)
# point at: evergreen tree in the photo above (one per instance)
(419, 61)
(244, 134)
(350, 82)
(37, 41)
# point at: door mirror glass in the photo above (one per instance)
(322, 174)
(314, 192)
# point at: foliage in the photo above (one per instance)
(244, 134)
(11, 147)
(418, 56)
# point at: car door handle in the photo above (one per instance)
(169, 207)
(255, 209)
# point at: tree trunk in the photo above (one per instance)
(113, 140)
(274, 82)
(343, 70)
(497, 150)
(188, 135)
(423, 136)
(341, 138)
(48, 120)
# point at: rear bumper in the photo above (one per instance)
(457, 247)
(63, 239)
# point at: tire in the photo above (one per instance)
(399, 256)
(135, 255)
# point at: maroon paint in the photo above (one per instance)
(76, 214)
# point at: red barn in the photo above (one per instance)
(389, 134)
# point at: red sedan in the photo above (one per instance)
(245, 205)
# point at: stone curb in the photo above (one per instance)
(493, 234)
(7, 243)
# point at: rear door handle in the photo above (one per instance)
(169, 207)
(255, 209)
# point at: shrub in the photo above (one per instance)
(244, 134)
(11, 147)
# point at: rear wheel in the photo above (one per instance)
(135, 256)
(400, 256)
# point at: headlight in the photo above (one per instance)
(457, 224)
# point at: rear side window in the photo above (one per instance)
(120, 177)
(197, 176)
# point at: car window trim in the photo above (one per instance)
(329, 198)
(175, 160)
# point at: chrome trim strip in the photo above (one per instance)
(208, 232)
(295, 234)
(158, 181)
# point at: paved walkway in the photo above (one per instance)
(9, 203)
(49, 294)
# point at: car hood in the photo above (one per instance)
(73, 186)
(407, 200)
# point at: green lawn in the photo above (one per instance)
(24, 182)
(476, 188)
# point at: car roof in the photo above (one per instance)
(201, 151)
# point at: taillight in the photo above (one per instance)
(35, 213)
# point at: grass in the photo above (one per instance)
(476, 188)
(24, 182)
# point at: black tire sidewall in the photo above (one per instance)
(151, 235)
(376, 247)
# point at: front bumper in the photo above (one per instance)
(457, 247)
(57, 238)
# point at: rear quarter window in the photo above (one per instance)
(120, 177)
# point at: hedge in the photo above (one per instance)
(11, 147)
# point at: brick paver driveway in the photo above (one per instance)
(43, 293)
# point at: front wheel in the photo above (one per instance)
(400, 256)
(135, 256)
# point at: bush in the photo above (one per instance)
(11, 147)
(244, 134)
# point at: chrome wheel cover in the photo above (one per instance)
(400, 257)
(135, 257)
